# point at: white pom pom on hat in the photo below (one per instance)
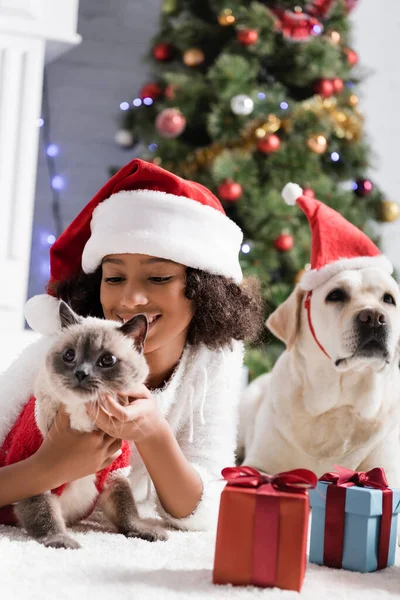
(291, 192)
(42, 314)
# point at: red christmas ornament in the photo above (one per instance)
(269, 144)
(163, 51)
(309, 192)
(338, 85)
(320, 8)
(229, 190)
(363, 187)
(284, 242)
(170, 91)
(350, 4)
(151, 90)
(297, 26)
(352, 57)
(324, 87)
(247, 37)
(170, 122)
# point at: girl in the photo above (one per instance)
(150, 242)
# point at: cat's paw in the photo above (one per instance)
(145, 532)
(60, 540)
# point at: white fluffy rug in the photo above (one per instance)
(110, 566)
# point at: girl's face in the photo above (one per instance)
(135, 284)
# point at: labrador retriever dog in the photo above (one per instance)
(333, 396)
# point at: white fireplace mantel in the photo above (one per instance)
(32, 33)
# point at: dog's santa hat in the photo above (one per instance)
(142, 209)
(337, 245)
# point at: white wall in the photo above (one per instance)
(377, 41)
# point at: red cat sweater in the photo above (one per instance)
(25, 439)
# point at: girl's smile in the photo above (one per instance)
(135, 284)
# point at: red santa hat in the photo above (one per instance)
(337, 245)
(142, 209)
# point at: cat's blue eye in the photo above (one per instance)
(107, 360)
(69, 355)
(160, 279)
(113, 280)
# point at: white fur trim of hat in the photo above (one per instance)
(313, 278)
(167, 226)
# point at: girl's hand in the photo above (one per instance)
(68, 454)
(139, 421)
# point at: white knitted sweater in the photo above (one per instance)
(199, 402)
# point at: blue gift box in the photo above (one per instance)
(363, 510)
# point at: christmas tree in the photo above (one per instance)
(247, 96)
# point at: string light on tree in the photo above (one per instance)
(170, 123)
(246, 248)
(124, 138)
(226, 18)
(124, 106)
(362, 187)
(229, 190)
(242, 105)
(52, 150)
(193, 57)
(58, 182)
(284, 242)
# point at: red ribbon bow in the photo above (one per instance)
(335, 511)
(267, 512)
(297, 480)
(374, 478)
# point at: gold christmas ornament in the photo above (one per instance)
(334, 37)
(193, 57)
(347, 122)
(388, 211)
(353, 100)
(226, 18)
(260, 133)
(317, 143)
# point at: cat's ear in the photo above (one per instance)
(67, 316)
(136, 329)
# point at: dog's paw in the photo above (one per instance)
(149, 533)
(60, 540)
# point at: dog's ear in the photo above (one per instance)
(285, 320)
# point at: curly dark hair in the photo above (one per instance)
(224, 310)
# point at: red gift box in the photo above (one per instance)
(262, 528)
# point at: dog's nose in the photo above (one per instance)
(81, 375)
(371, 318)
